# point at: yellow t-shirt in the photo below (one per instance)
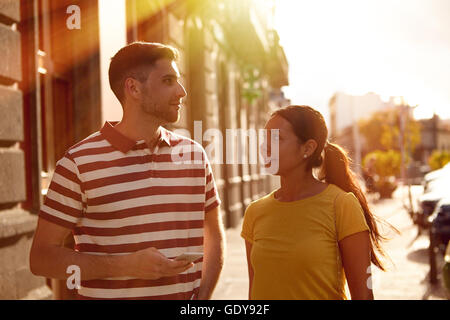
(294, 249)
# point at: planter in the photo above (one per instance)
(386, 188)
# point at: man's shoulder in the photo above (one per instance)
(184, 149)
(177, 139)
(96, 139)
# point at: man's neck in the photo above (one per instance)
(140, 128)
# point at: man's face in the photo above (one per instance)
(162, 92)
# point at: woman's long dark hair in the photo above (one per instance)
(307, 124)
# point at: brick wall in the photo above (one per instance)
(16, 225)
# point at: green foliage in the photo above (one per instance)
(250, 88)
(382, 132)
(387, 163)
(386, 168)
(226, 20)
(376, 131)
(438, 159)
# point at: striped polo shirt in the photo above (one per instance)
(118, 196)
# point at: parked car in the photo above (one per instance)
(416, 172)
(435, 174)
(436, 187)
(439, 221)
(446, 270)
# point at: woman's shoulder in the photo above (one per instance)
(261, 202)
(345, 201)
(341, 196)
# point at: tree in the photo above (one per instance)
(438, 159)
(386, 165)
(382, 132)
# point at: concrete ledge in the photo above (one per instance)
(26, 282)
(16, 222)
(10, 10)
(16, 236)
(41, 293)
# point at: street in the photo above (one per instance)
(406, 277)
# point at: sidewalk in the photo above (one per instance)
(233, 282)
(408, 277)
(405, 280)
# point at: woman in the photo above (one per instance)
(306, 238)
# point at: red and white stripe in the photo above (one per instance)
(118, 203)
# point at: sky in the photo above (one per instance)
(390, 47)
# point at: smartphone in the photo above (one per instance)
(190, 256)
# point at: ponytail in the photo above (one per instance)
(336, 170)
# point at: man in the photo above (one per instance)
(131, 207)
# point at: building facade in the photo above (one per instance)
(346, 111)
(54, 92)
(435, 134)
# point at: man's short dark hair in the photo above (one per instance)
(135, 61)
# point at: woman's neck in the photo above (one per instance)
(298, 185)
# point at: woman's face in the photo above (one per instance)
(290, 151)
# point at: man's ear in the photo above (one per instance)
(132, 88)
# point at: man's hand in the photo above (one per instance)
(50, 259)
(151, 264)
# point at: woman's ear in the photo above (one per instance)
(310, 147)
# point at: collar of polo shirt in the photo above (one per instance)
(125, 144)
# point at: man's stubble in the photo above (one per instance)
(149, 107)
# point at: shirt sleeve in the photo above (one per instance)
(247, 225)
(349, 216)
(63, 204)
(212, 199)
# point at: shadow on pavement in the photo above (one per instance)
(433, 290)
(419, 256)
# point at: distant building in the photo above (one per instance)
(443, 135)
(345, 112)
(435, 134)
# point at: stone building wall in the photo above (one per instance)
(16, 224)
